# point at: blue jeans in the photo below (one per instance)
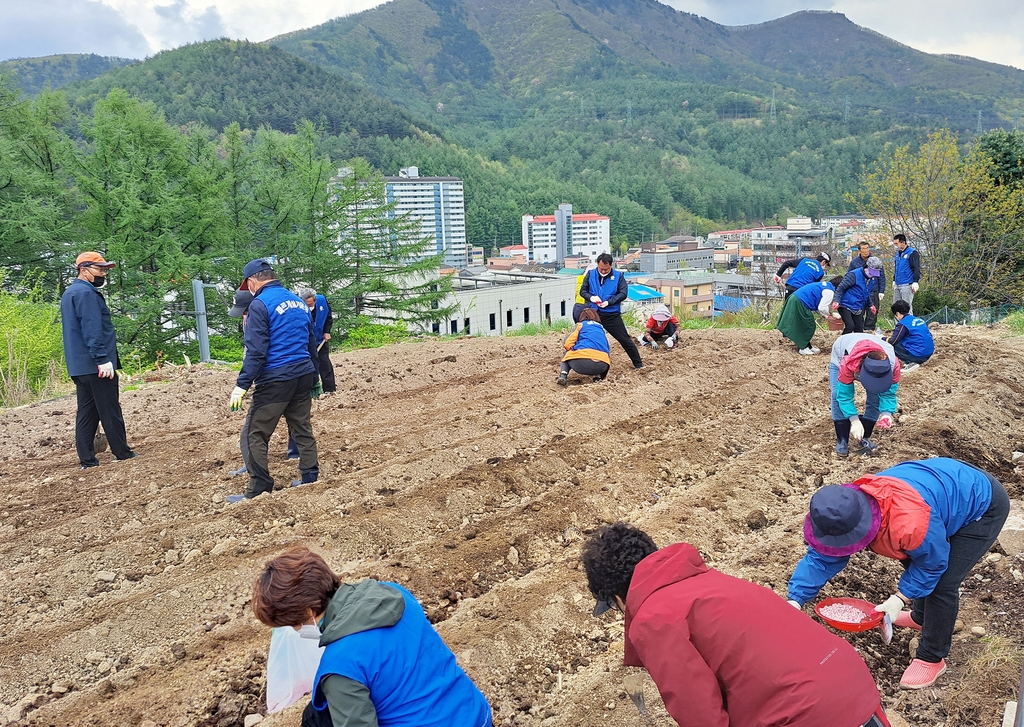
(870, 411)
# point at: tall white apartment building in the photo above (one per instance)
(438, 204)
(549, 238)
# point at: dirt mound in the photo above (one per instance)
(461, 470)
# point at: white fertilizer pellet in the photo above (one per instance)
(844, 613)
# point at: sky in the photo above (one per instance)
(986, 29)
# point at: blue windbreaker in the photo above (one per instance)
(278, 338)
(953, 495)
(321, 312)
(89, 338)
(413, 678)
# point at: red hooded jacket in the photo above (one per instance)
(725, 652)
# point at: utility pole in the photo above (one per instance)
(979, 121)
(629, 112)
(772, 111)
(846, 110)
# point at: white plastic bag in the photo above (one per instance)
(291, 667)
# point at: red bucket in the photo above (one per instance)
(835, 324)
(871, 617)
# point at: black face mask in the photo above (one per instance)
(99, 281)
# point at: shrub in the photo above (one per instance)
(31, 349)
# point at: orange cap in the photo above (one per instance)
(92, 258)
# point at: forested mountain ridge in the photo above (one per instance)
(34, 74)
(219, 82)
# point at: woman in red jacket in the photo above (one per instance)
(725, 652)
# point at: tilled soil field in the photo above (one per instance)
(462, 471)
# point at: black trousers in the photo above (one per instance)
(937, 612)
(790, 289)
(326, 367)
(315, 717)
(585, 367)
(870, 319)
(290, 399)
(853, 321)
(615, 327)
(99, 400)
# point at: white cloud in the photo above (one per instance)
(45, 27)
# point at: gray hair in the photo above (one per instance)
(305, 293)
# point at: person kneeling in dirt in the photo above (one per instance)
(586, 349)
(866, 358)
(796, 322)
(383, 662)
(911, 339)
(938, 517)
(661, 326)
(722, 650)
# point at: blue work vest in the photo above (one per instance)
(903, 275)
(604, 292)
(810, 295)
(412, 675)
(592, 337)
(319, 318)
(289, 326)
(806, 271)
(919, 341)
(856, 297)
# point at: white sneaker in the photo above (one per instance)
(807, 352)
(909, 367)
(815, 350)
(641, 341)
(879, 332)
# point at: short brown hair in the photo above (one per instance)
(589, 314)
(292, 584)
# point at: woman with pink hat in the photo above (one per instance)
(938, 517)
(661, 326)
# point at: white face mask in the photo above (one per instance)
(309, 631)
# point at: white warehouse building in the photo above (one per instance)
(549, 238)
(438, 203)
(495, 302)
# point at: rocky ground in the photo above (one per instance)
(462, 471)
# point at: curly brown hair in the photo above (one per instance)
(610, 556)
(291, 585)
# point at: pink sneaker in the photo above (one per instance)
(904, 621)
(922, 674)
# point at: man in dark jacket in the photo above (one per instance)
(604, 289)
(877, 294)
(383, 663)
(724, 652)
(280, 358)
(90, 349)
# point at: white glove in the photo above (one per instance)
(670, 341)
(856, 429)
(603, 304)
(892, 606)
(778, 280)
(837, 316)
(914, 287)
(881, 297)
(236, 398)
(654, 345)
(794, 604)
(595, 299)
(106, 371)
(884, 421)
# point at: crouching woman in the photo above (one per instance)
(383, 663)
(586, 349)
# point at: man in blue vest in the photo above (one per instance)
(853, 299)
(911, 339)
(805, 272)
(604, 290)
(90, 350)
(281, 359)
(907, 275)
(323, 320)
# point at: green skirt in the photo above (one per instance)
(797, 323)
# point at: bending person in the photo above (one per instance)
(724, 651)
(586, 349)
(383, 663)
(854, 295)
(805, 271)
(866, 358)
(937, 516)
(796, 322)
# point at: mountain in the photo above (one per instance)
(32, 75)
(414, 50)
(219, 82)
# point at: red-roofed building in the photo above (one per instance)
(550, 238)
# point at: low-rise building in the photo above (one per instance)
(492, 302)
(692, 296)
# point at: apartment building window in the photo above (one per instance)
(563, 309)
(455, 326)
(508, 318)
(465, 326)
(494, 322)
(436, 328)
(675, 292)
(526, 315)
(694, 292)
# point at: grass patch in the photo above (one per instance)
(371, 335)
(538, 329)
(1015, 322)
(990, 679)
(31, 349)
